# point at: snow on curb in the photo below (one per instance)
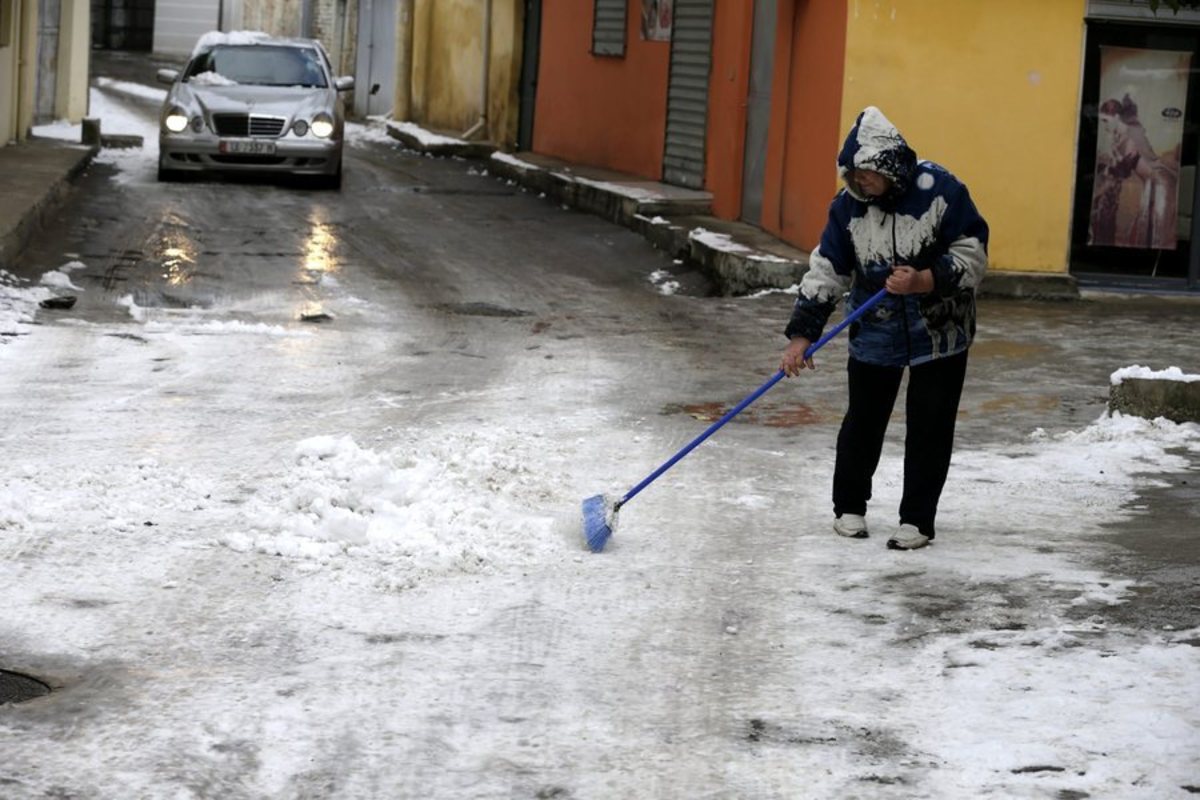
(1145, 373)
(724, 243)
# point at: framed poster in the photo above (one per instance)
(656, 20)
(1143, 99)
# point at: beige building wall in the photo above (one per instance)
(74, 44)
(276, 17)
(18, 56)
(334, 24)
(447, 66)
(8, 71)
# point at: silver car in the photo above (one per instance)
(254, 103)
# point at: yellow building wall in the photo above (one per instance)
(989, 90)
(447, 66)
(8, 71)
(74, 46)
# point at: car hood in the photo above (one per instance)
(287, 102)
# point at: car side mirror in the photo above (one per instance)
(167, 75)
(344, 83)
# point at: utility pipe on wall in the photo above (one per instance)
(481, 124)
(26, 41)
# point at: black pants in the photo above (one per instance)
(934, 389)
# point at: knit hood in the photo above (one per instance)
(874, 143)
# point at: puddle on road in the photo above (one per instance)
(1021, 402)
(770, 416)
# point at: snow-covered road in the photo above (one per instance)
(259, 557)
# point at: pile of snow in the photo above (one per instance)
(451, 504)
(1139, 372)
(19, 301)
(211, 78)
(214, 38)
(513, 161)
(426, 138)
(193, 321)
(665, 282)
(371, 132)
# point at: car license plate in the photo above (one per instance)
(247, 147)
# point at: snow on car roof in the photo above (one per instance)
(214, 38)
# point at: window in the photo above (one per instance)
(608, 28)
(6, 22)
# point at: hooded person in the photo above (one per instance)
(911, 227)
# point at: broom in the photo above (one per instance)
(600, 511)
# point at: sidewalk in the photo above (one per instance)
(35, 177)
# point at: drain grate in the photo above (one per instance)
(17, 688)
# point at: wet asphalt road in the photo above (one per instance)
(446, 246)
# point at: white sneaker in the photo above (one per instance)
(852, 526)
(907, 538)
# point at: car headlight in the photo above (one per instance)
(197, 124)
(300, 128)
(322, 126)
(176, 120)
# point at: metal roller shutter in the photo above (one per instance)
(687, 93)
(608, 28)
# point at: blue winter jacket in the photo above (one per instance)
(927, 221)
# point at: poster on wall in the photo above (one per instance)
(1143, 94)
(656, 20)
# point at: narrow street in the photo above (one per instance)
(291, 509)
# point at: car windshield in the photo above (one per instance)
(262, 65)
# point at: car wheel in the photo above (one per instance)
(333, 182)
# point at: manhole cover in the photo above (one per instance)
(17, 688)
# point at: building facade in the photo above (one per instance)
(44, 46)
(750, 101)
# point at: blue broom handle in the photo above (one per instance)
(757, 393)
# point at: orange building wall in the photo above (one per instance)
(728, 91)
(599, 110)
(805, 135)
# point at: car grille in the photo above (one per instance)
(247, 125)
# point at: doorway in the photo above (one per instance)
(1100, 256)
(375, 78)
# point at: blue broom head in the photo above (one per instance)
(599, 519)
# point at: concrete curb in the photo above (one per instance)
(1178, 401)
(34, 193)
(678, 223)
(1030, 285)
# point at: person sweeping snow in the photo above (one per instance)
(911, 228)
